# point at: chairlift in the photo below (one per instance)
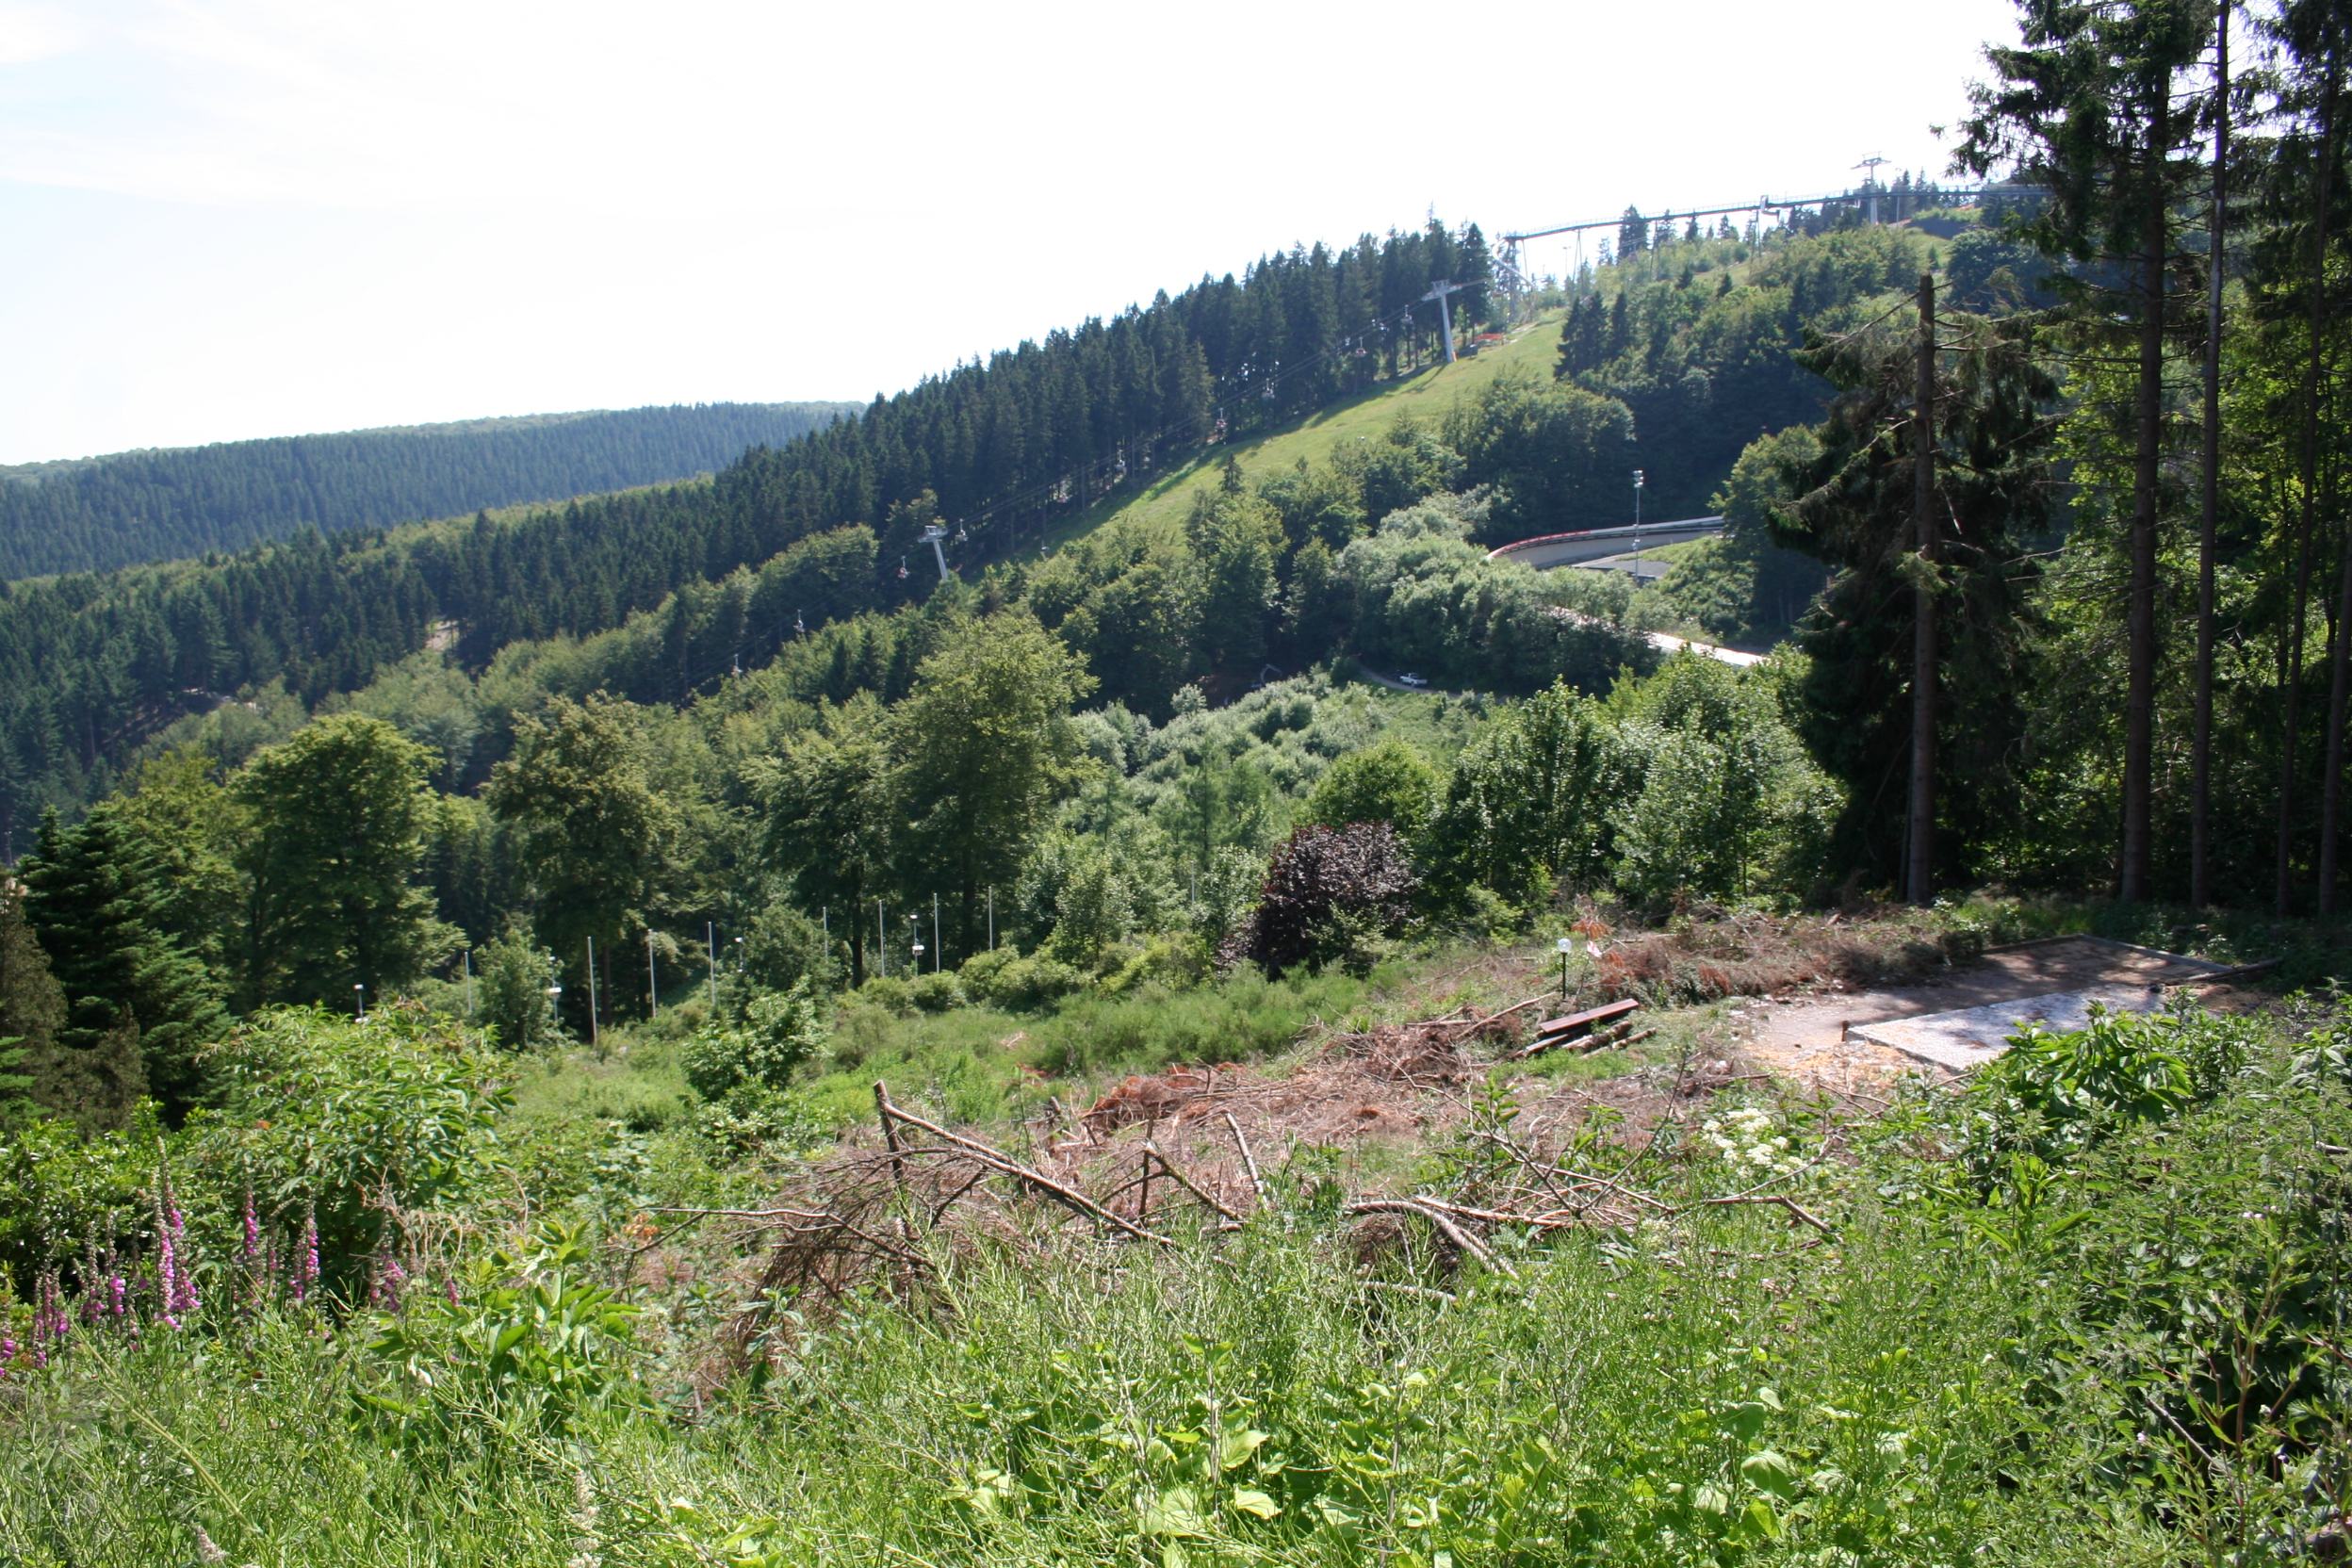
(800, 626)
(961, 534)
(901, 567)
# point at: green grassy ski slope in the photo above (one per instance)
(1426, 395)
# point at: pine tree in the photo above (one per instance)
(1633, 233)
(134, 997)
(2090, 110)
(1854, 510)
(31, 1007)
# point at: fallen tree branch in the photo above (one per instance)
(1443, 1224)
(820, 1223)
(1257, 1183)
(1186, 1182)
(1069, 1197)
(1495, 1217)
(1424, 1291)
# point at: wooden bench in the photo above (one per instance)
(1574, 1026)
(1578, 1026)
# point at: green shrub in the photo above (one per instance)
(536, 1347)
(353, 1121)
(2050, 1095)
(780, 1029)
(515, 1004)
(936, 993)
(1022, 984)
(1390, 782)
(889, 993)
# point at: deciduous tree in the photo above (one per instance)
(338, 818)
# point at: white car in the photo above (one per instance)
(1412, 681)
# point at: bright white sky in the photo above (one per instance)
(222, 219)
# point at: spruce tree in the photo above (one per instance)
(1855, 503)
(134, 997)
(2090, 110)
(31, 1008)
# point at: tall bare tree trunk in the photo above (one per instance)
(2300, 606)
(2340, 681)
(2139, 712)
(2209, 511)
(1921, 871)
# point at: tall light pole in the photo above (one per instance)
(1636, 528)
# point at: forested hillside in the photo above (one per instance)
(93, 664)
(101, 512)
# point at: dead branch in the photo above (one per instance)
(1069, 1197)
(1497, 1217)
(1257, 1183)
(1445, 1225)
(1424, 1291)
(1187, 1183)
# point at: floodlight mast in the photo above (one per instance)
(1636, 528)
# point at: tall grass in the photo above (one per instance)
(1696, 1399)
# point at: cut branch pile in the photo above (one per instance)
(899, 1212)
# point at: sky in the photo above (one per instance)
(226, 219)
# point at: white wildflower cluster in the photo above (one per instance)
(1749, 1137)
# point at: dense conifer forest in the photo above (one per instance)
(101, 512)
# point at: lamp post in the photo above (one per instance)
(1636, 528)
(359, 1001)
(1566, 947)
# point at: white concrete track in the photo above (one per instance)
(1597, 543)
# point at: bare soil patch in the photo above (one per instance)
(1802, 1033)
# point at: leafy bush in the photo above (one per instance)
(515, 1006)
(1331, 895)
(2050, 1096)
(1528, 803)
(1391, 782)
(535, 1348)
(779, 1031)
(323, 1114)
(888, 993)
(936, 993)
(1006, 979)
(785, 947)
(1728, 802)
